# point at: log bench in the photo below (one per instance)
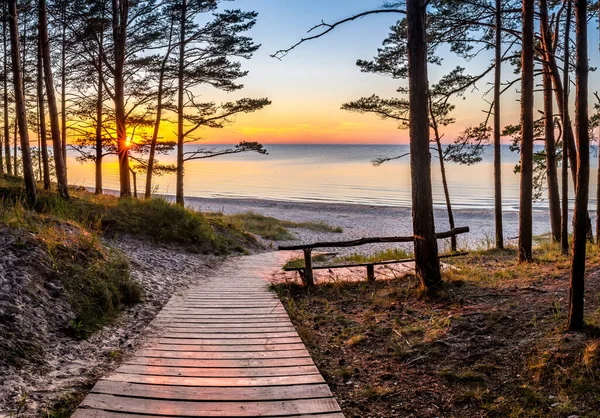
(306, 272)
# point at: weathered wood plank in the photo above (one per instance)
(225, 341)
(176, 328)
(210, 409)
(220, 363)
(224, 355)
(217, 372)
(198, 334)
(99, 413)
(216, 381)
(218, 320)
(225, 311)
(363, 241)
(186, 393)
(225, 348)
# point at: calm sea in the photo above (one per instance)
(328, 173)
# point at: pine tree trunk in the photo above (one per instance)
(181, 106)
(159, 105)
(576, 291)
(42, 131)
(63, 87)
(427, 264)
(438, 142)
(99, 102)
(498, 130)
(550, 141)
(5, 86)
(525, 207)
(59, 165)
(566, 120)
(453, 243)
(120, 10)
(28, 175)
(15, 149)
(551, 165)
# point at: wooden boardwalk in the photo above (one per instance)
(226, 348)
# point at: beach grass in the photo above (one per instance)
(271, 228)
(154, 219)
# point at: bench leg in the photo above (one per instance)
(308, 271)
(371, 273)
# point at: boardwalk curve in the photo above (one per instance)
(226, 348)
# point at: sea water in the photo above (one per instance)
(330, 173)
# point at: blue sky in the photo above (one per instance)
(308, 86)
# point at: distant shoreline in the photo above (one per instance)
(359, 220)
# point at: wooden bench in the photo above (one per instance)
(306, 272)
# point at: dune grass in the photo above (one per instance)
(271, 228)
(155, 219)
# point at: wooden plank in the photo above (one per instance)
(223, 355)
(216, 381)
(230, 336)
(186, 393)
(99, 413)
(219, 320)
(210, 409)
(220, 363)
(224, 304)
(223, 315)
(225, 341)
(217, 372)
(371, 264)
(187, 328)
(225, 311)
(363, 241)
(229, 348)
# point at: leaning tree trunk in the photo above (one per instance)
(497, 130)
(576, 291)
(63, 87)
(427, 263)
(438, 142)
(15, 147)
(550, 141)
(525, 211)
(453, 244)
(159, 106)
(566, 120)
(42, 131)
(99, 102)
(181, 107)
(5, 93)
(28, 175)
(59, 165)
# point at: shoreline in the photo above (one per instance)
(359, 221)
